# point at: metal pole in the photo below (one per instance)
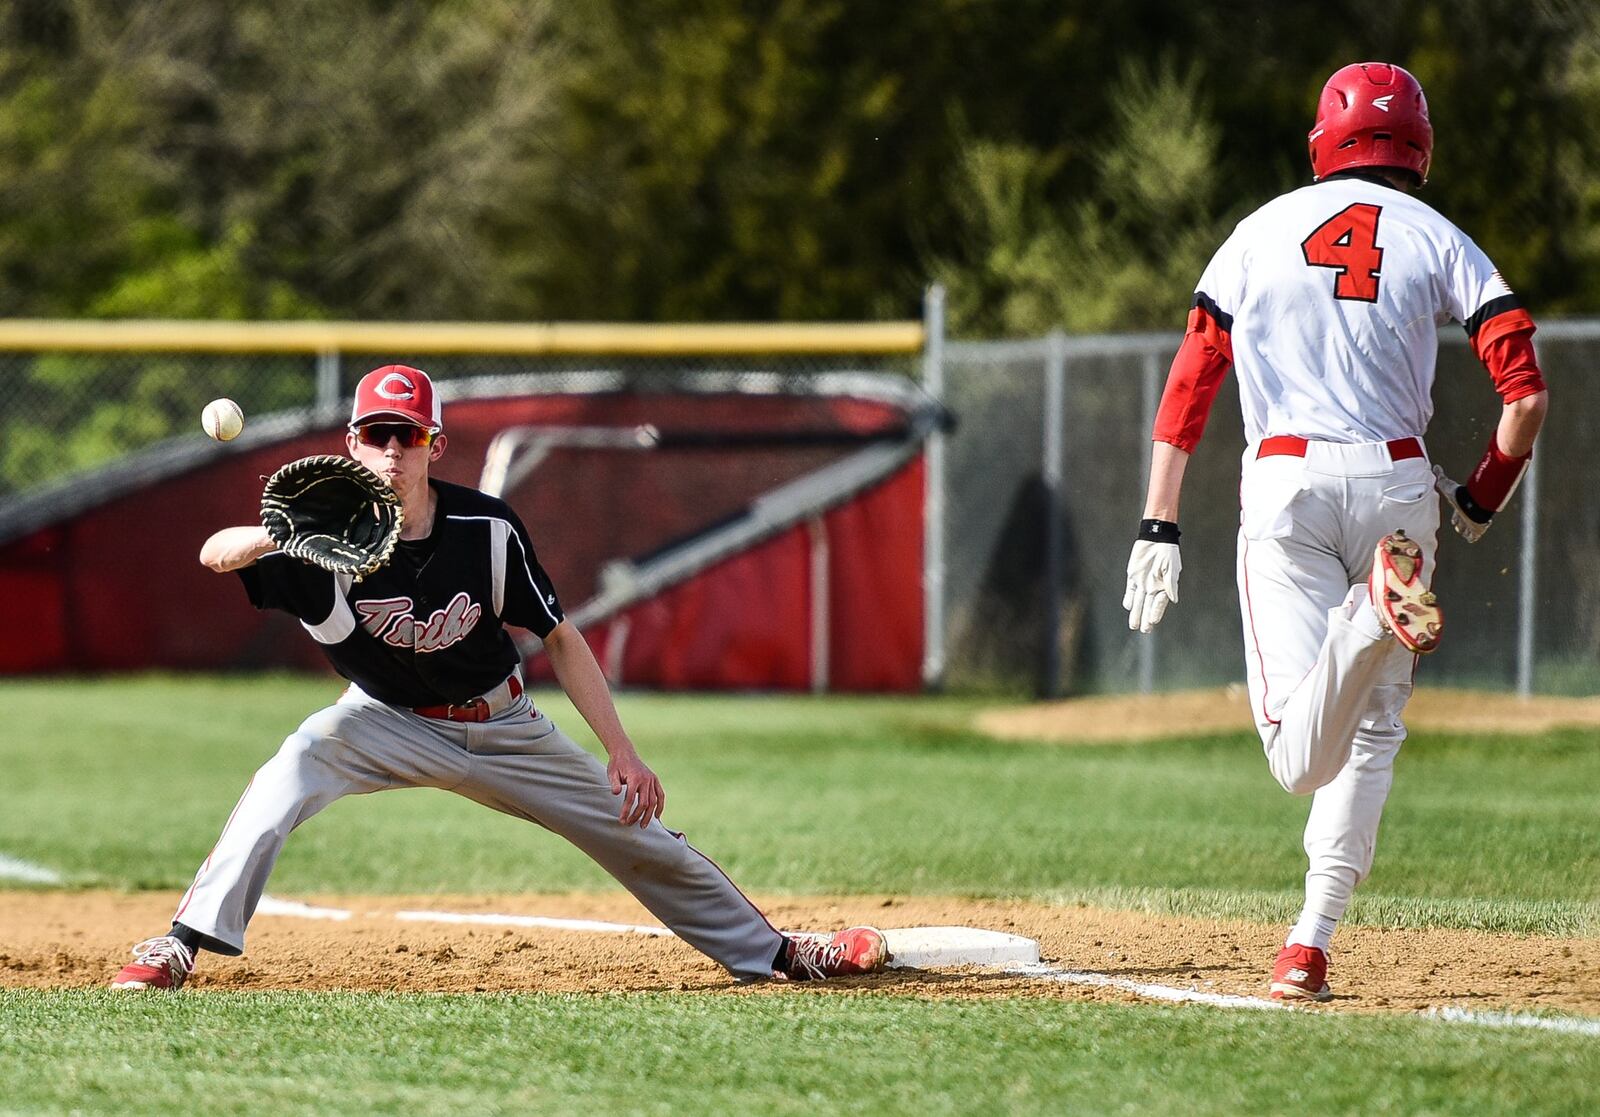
(328, 384)
(1526, 580)
(1055, 393)
(1152, 380)
(817, 530)
(933, 650)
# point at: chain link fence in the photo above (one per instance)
(1047, 466)
(1042, 484)
(62, 414)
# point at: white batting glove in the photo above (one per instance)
(1467, 516)
(1152, 582)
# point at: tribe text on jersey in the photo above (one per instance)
(391, 620)
(418, 631)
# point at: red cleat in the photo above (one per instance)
(1405, 606)
(855, 950)
(1301, 974)
(159, 963)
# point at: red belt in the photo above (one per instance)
(1293, 446)
(476, 710)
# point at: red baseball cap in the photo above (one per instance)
(398, 392)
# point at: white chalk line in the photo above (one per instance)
(1143, 988)
(12, 868)
(271, 905)
(1149, 990)
(534, 921)
(1570, 1024)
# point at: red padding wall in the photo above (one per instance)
(119, 588)
(875, 586)
(745, 622)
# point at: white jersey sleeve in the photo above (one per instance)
(1472, 290)
(1220, 289)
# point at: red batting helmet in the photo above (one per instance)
(1371, 114)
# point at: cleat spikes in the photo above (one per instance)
(1407, 609)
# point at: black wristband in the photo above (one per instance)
(1159, 531)
(1470, 508)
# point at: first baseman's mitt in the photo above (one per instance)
(332, 512)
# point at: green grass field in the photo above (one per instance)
(250, 1054)
(124, 783)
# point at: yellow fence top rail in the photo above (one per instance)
(552, 338)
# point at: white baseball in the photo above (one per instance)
(222, 419)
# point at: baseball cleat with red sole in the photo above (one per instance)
(1301, 974)
(855, 950)
(159, 963)
(1405, 606)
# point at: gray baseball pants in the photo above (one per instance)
(517, 762)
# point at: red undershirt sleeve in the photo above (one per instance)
(1195, 377)
(1504, 343)
(1501, 333)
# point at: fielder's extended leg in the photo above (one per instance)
(546, 778)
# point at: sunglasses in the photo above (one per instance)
(379, 434)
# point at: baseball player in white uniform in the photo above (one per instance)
(1326, 301)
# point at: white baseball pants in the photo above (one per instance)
(517, 762)
(1327, 684)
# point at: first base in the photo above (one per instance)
(926, 948)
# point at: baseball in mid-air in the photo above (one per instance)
(222, 419)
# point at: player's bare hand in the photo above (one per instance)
(1468, 518)
(642, 796)
(1152, 583)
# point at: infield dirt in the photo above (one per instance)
(1118, 718)
(51, 939)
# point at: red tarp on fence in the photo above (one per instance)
(118, 587)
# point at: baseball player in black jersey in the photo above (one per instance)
(436, 700)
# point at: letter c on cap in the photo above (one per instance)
(395, 386)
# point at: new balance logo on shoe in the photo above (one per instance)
(1300, 974)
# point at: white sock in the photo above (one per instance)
(1313, 929)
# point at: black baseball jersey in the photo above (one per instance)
(428, 628)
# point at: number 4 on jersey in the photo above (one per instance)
(1347, 242)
